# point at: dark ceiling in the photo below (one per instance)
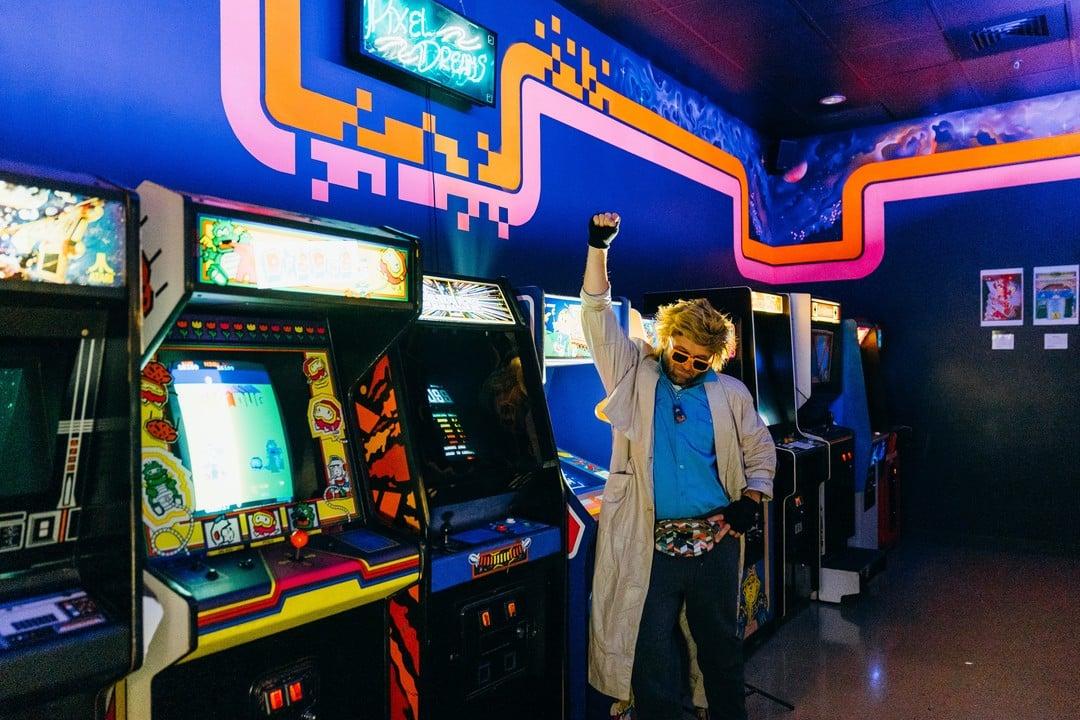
(770, 61)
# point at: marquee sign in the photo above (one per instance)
(431, 42)
(469, 301)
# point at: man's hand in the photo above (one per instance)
(725, 529)
(741, 515)
(603, 227)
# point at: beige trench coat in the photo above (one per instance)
(745, 455)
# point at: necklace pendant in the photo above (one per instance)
(679, 415)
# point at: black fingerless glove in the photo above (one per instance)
(742, 514)
(600, 236)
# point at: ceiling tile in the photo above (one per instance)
(1032, 60)
(719, 22)
(901, 56)
(1025, 86)
(674, 36)
(955, 13)
(821, 8)
(850, 117)
(927, 91)
(878, 24)
(785, 50)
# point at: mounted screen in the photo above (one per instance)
(235, 434)
(821, 356)
(477, 431)
(27, 428)
(775, 372)
(464, 301)
(564, 338)
(65, 238)
(431, 42)
(237, 252)
(242, 427)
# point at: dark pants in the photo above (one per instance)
(709, 586)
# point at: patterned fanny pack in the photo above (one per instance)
(685, 537)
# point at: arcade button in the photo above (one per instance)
(296, 692)
(212, 574)
(275, 699)
(511, 609)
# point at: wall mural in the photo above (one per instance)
(797, 215)
(804, 205)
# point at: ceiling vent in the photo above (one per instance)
(1013, 32)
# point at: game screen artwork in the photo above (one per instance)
(821, 353)
(23, 435)
(649, 326)
(455, 441)
(54, 236)
(250, 254)
(477, 428)
(233, 434)
(564, 338)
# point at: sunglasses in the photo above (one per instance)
(681, 357)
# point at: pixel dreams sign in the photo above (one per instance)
(433, 43)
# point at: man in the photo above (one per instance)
(691, 462)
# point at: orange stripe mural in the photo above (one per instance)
(556, 77)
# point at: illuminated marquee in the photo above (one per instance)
(825, 311)
(502, 558)
(49, 235)
(241, 253)
(767, 302)
(432, 42)
(450, 300)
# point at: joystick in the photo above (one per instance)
(445, 529)
(298, 539)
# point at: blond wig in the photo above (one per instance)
(699, 322)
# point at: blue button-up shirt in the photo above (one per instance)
(686, 482)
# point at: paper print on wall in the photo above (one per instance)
(1054, 295)
(1002, 296)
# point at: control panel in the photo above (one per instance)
(29, 621)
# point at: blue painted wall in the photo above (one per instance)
(131, 91)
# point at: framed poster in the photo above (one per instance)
(1002, 297)
(1053, 295)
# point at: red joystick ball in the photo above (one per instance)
(299, 539)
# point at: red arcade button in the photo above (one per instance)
(276, 699)
(296, 692)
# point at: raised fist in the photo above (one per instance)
(603, 227)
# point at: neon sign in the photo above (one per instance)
(242, 253)
(432, 42)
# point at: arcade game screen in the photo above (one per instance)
(775, 383)
(821, 353)
(242, 421)
(33, 380)
(564, 338)
(479, 435)
(53, 236)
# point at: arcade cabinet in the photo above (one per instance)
(889, 440)
(781, 562)
(850, 409)
(483, 635)
(68, 573)
(264, 565)
(573, 390)
(844, 569)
